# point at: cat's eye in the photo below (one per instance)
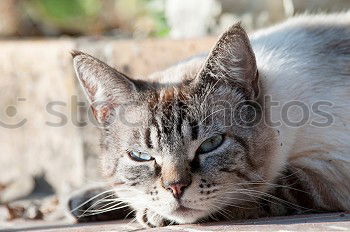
(139, 156)
(210, 144)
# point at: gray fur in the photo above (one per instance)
(180, 108)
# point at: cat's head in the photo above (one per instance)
(186, 149)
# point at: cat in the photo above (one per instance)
(258, 127)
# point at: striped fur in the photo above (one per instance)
(259, 170)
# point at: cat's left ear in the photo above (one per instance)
(104, 86)
(232, 62)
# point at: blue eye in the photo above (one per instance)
(210, 144)
(139, 156)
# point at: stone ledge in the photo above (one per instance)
(314, 222)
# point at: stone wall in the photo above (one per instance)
(39, 107)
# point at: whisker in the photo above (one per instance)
(104, 211)
(210, 214)
(259, 193)
(132, 211)
(105, 206)
(90, 199)
(244, 200)
(261, 198)
(99, 201)
(222, 212)
(132, 220)
(267, 183)
(171, 223)
(232, 204)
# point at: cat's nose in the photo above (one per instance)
(177, 188)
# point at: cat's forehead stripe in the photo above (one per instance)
(148, 140)
(168, 115)
(194, 129)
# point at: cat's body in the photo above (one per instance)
(307, 59)
(255, 170)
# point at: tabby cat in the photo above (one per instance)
(259, 127)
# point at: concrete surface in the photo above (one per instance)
(315, 222)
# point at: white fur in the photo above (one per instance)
(292, 70)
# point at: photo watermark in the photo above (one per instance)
(293, 113)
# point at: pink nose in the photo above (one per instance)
(177, 189)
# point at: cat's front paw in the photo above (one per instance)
(151, 219)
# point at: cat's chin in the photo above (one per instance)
(184, 215)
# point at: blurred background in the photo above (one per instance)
(147, 18)
(49, 145)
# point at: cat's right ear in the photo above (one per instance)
(104, 86)
(232, 62)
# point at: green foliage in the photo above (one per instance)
(154, 9)
(157, 13)
(67, 9)
(162, 29)
(65, 14)
(86, 16)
